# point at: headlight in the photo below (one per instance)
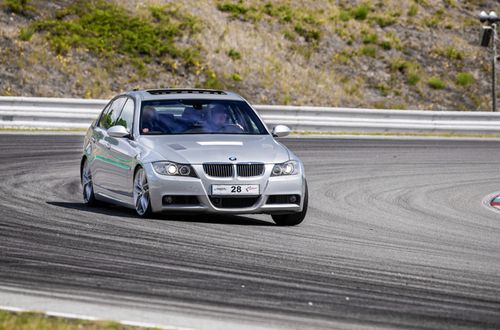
(174, 169)
(288, 168)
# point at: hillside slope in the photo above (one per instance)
(409, 54)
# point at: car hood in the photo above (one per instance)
(198, 149)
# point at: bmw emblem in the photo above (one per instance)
(232, 158)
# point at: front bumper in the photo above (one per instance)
(162, 185)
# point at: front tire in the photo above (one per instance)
(87, 185)
(142, 200)
(294, 218)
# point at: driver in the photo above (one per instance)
(151, 121)
(217, 119)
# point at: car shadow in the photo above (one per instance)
(201, 218)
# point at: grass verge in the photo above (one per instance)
(396, 134)
(40, 321)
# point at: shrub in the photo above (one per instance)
(464, 79)
(107, 29)
(409, 69)
(236, 9)
(283, 12)
(400, 65)
(370, 38)
(239, 10)
(20, 7)
(308, 33)
(386, 45)
(450, 52)
(234, 54)
(413, 78)
(25, 34)
(413, 10)
(360, 12)
(236, 77)
(344, 15)
(436, 83)
(384, 20)
(369, 51)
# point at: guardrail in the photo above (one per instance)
(61, 113)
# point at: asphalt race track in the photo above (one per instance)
(397, 235)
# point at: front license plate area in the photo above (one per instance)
(235, 189)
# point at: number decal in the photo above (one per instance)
(235, 189)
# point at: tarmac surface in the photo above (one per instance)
(398, 234)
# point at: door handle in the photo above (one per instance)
(107, 144)
(92, 139)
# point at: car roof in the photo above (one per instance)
(184, 93)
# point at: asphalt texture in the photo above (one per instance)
(397, 235)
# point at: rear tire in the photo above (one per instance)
(87, 185)
(294, 218)
(142, 200)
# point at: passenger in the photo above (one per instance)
(218, 118)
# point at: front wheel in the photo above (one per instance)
(142, 200)
(87, 185)
(294, 218)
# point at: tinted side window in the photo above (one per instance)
(127, 115)
(110, 116)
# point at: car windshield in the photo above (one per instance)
(199, 117)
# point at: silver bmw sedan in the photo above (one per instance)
(191, 150)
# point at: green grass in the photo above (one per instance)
(301, 22)
(49, 130)
(236, 77)
(39, 321)
(239, 10)
(20, 7)
(384, 20)
(360, 12)
(108, 30)
(308, 33)
(464, 79)
(413, 10)
(436, 83)
(234, 54)
(369, 51)
(410, 69)
(25, 34)
(396, 134)
(413, 78)
(369, 38)
(450, 52)
(283, 12)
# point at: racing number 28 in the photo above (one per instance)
(235, 189)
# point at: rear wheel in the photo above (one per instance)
(142, 200)
(294, 218)
(87, 185)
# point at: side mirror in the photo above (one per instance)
(118, 131)
(280, 131)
